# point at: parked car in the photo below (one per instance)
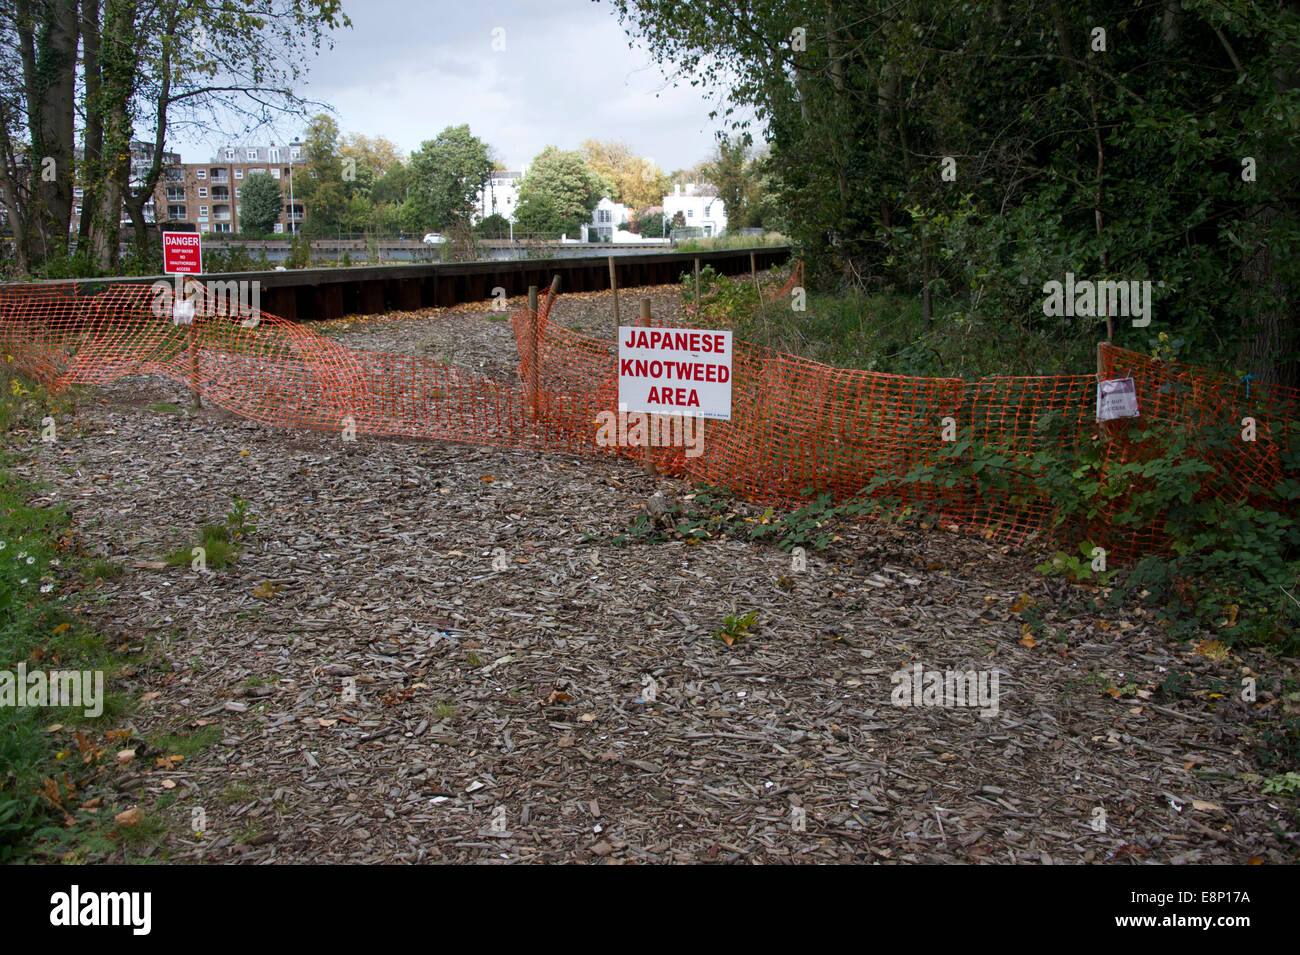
(435, 238)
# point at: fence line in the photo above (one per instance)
(797, 426)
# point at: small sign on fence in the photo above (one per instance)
(675, 371)
(1117, 398)
(182, 253)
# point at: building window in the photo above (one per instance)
(276, 172)
(252, 155)
(279, 227)
(238, 190)
(203, 213)
(200, 174)
(229, 153)
(273, 155)
(203, 192)
(175, 212)
(690, 213)
(295, 153)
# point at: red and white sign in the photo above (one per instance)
(675, 371)
(182, 253)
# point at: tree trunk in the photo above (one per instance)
(118, 63)
(48, 48)
(92, 166)
(1269, 349)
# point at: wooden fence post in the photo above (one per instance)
(534, 329)
(193, 342)
(698, 306)
(646, 418)
(613, 284)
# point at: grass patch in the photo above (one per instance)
(219, 544)
(101, 569)
(44, 773)
(186, 744)
(166, 407)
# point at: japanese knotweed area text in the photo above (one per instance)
(675, 371)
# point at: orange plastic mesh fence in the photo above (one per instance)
(797, 427)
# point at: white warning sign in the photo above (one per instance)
(675, 371)
(1116, 398)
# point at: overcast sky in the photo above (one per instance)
(406, 70)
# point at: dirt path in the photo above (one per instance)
(573, 705)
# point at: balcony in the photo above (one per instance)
(219, 175)
(221, 192)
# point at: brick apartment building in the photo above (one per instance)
(205, 196)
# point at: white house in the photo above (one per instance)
(700, 209)
(605, 220)
(500, 196)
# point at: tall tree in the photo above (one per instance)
(633, 180)
(558, 194)
(41, 48)
(260, 203)
(445, 175)
(728, 171)
(321, 189)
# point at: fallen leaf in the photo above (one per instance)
(129, 817)
(1204, 806)
(125, 755)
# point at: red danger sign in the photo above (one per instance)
(182, 253)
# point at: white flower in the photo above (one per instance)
(31, 560)
(3, 545)
(45, 589)
(23, 581)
